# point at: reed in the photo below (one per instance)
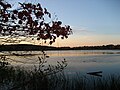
(17, 78)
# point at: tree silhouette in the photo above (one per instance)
(29, 20)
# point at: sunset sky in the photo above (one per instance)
(94, 22)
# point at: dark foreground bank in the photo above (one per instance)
(17, 78)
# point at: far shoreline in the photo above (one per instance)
(30, 47)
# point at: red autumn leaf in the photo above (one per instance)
(30, 11)
(51, 42)
(39, 6)
(15, 11)
(13, 17)
(29, 5)
(54, 37)
(6, 19)
(49, 15)
(62, 37)
(20, 22)
(59, 22)
(66, 36)
(45, 11)
(41, 23)
(35, 23)
(8, 6)
(38, 38)
(20, 15)
(39, 13)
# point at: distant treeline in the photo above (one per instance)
(27, 47)
(103, 47)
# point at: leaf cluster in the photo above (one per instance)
(30, 20)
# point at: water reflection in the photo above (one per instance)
(82, 52)
(84, 61)
(107, 61)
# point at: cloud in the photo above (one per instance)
(81, 30)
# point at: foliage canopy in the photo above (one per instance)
(29, 20)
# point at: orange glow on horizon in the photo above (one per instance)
(90, 40)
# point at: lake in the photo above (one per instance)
(82, 61)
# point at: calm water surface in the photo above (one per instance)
(84, 61)
(81, 61)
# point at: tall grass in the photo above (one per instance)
(16, 78)
(79, 82)
(20, 79)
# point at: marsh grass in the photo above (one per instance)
(52, 78)
(20, 79)
(79, 82)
